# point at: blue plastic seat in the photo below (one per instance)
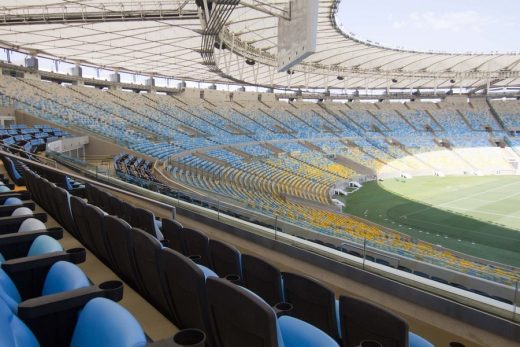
(12, 202)
(62, 276)
(42, 244)
(104, 323)
(101, 323)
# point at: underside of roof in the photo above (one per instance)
(177, 39)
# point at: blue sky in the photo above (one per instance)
(441, 25)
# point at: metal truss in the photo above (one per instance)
(66, 13)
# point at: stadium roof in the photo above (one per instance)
(167, 38)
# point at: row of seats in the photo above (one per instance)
(138, 167)
(47, 300)
(182, 270)
(189, 242)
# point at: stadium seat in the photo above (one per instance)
(312, 302)
(185, 288)
(94, 219)
(62, 276)
(41, 244)
(262, 278)
(242, 318)
(172, 231)
(225, 259)
(357, 319)
(145, 220)
(104, 323)
(196, 246)
(84, 235)
(146, 251)
(101, 323)
(64, 216)
(120, 248)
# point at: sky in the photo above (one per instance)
(457, 26)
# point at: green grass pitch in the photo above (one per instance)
(479, 216)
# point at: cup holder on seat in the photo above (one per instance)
(283, 309)
(190, 338)
(112, 290)
(76, 255)
(233, 278)
(196, 258)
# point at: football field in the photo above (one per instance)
(475, 215)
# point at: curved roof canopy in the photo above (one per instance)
(171, 38)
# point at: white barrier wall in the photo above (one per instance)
(68, 144)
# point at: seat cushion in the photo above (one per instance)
(13, 332)
(31, 224)
(417, 341)
(44, 244)
(64, 276)
(22, 211)
(297, 333)
(12, 202)
(104, 323)
(8, 292)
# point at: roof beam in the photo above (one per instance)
(67, 14)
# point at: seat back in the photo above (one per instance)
(172, 231)
(196, 243)
(146, 252)
(104, 323)
(144, 220)
(312, 302)
(115, 206)
(361, 320)
(239, 317)
(118, 237)
(62, 199)
(225, 259)
(126, 211)
(14, 332)
(105, 203)
(262, 278)
(77, 207)
(185, 286)
(94, 217)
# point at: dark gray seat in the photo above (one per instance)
(361, 320)
(146, 253)
(77, 206)
(262, 278)
(225, 259)
(312, 302)
(118, 239)
(94, 217)
(196, 243)
(185, 286)
(172, 231)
